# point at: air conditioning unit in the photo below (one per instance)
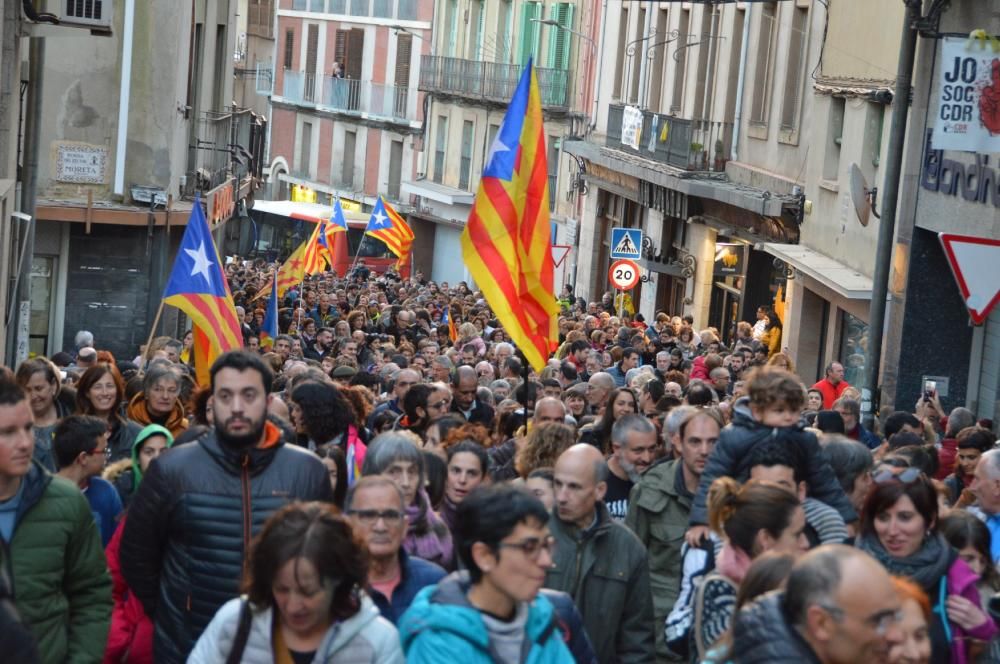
(94, 15)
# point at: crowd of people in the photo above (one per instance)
(385, 480)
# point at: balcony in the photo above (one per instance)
(490, 81)
(694, 145)
(264, 75)
(228, 144)
(363, 99)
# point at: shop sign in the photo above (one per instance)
(220, 203)
(729, 259)
(977, 182)
(968, 111)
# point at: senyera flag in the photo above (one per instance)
(269, 329)
(291, 273)
(386, 225)
(197, 286)
(506, 243)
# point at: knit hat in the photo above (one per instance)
(147, 433)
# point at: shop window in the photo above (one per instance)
(853, 344)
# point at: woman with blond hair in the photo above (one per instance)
(469, 335)
(542, 447)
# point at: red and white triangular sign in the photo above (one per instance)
(975, 262)
(560, 252)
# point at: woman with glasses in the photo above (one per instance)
(159, 402)
(753, 519)
(304, 599)
(397, 456)
(899, 528)
(496, 611)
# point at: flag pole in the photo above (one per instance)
(152, 333)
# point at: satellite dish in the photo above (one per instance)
(863, 196)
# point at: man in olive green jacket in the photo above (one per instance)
(58, 570)
(599, 562)
(659, 506)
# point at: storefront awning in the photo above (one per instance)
(438, 192)
(844, 280)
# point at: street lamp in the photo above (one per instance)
(551, 22)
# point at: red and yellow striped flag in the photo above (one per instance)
(506, 242)
(314, 260)
(290, 273)
(386, 225)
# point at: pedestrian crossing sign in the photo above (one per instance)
(626, 243)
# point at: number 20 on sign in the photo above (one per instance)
(624, 275)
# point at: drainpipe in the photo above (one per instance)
(740, 82)
(887, 223)
(124, 96)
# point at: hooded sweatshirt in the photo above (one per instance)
(127, 473)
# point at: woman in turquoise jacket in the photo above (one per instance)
(493, 612)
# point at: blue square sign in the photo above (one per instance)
(626, 243)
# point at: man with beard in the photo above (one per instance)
(190, 523)
(633, 448)
(321, 348)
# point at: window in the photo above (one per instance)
(616, 89)
(317, 6)
(853, 341)
(451, 26)
(531, 12)
(477, 19)
(560, 38)
(708, 52)
(659, 52)
(797, 42)
(873, 132)
(360, 7)
(680, 57)
(505, 45)
(289, 48)
(835, 132)
(299, 5)
(404, 52)
(382, 8)
(312, 44)
(440, 144)
(407, 10)
(304, 165)
(338, 6)
(552, 165)
(766, 31)
(465, 166)
(395, 168)
(350, 154)
(635, 59)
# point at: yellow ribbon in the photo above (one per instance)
(980, 38)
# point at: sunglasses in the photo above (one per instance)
(889, 475)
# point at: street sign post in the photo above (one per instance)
(624, 275)
(626, 243)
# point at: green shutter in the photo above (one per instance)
(529, 31)
(560, 39)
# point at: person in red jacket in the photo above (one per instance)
(832, 385)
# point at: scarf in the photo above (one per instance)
(175, 421)
(427, 536)
(926, 567)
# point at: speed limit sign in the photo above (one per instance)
(624, 274)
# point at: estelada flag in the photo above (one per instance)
(447, 318)
(336, 224)
(269, 328)
(506, 242)
(291, 272)
(386, 225)
(197, 286)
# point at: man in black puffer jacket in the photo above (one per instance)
(191, 521)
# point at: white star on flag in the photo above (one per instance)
(380, 219)
(498, 146)
(201, 262)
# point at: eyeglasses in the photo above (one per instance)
(888, 475)
(532, 547)
(371, 517)
(440, 405)
(880, 622)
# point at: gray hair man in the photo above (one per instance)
(633, 448)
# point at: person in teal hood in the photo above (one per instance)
(493, 612)
(126, 474)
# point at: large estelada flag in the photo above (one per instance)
(386, 225)
(506, 242)
(197, 286)
(336, 224)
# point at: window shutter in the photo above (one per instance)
(559, 38)
(404, 49)
(289, 48)
(355, 54)
(340, 47)
(312, 44)
(529, 31)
